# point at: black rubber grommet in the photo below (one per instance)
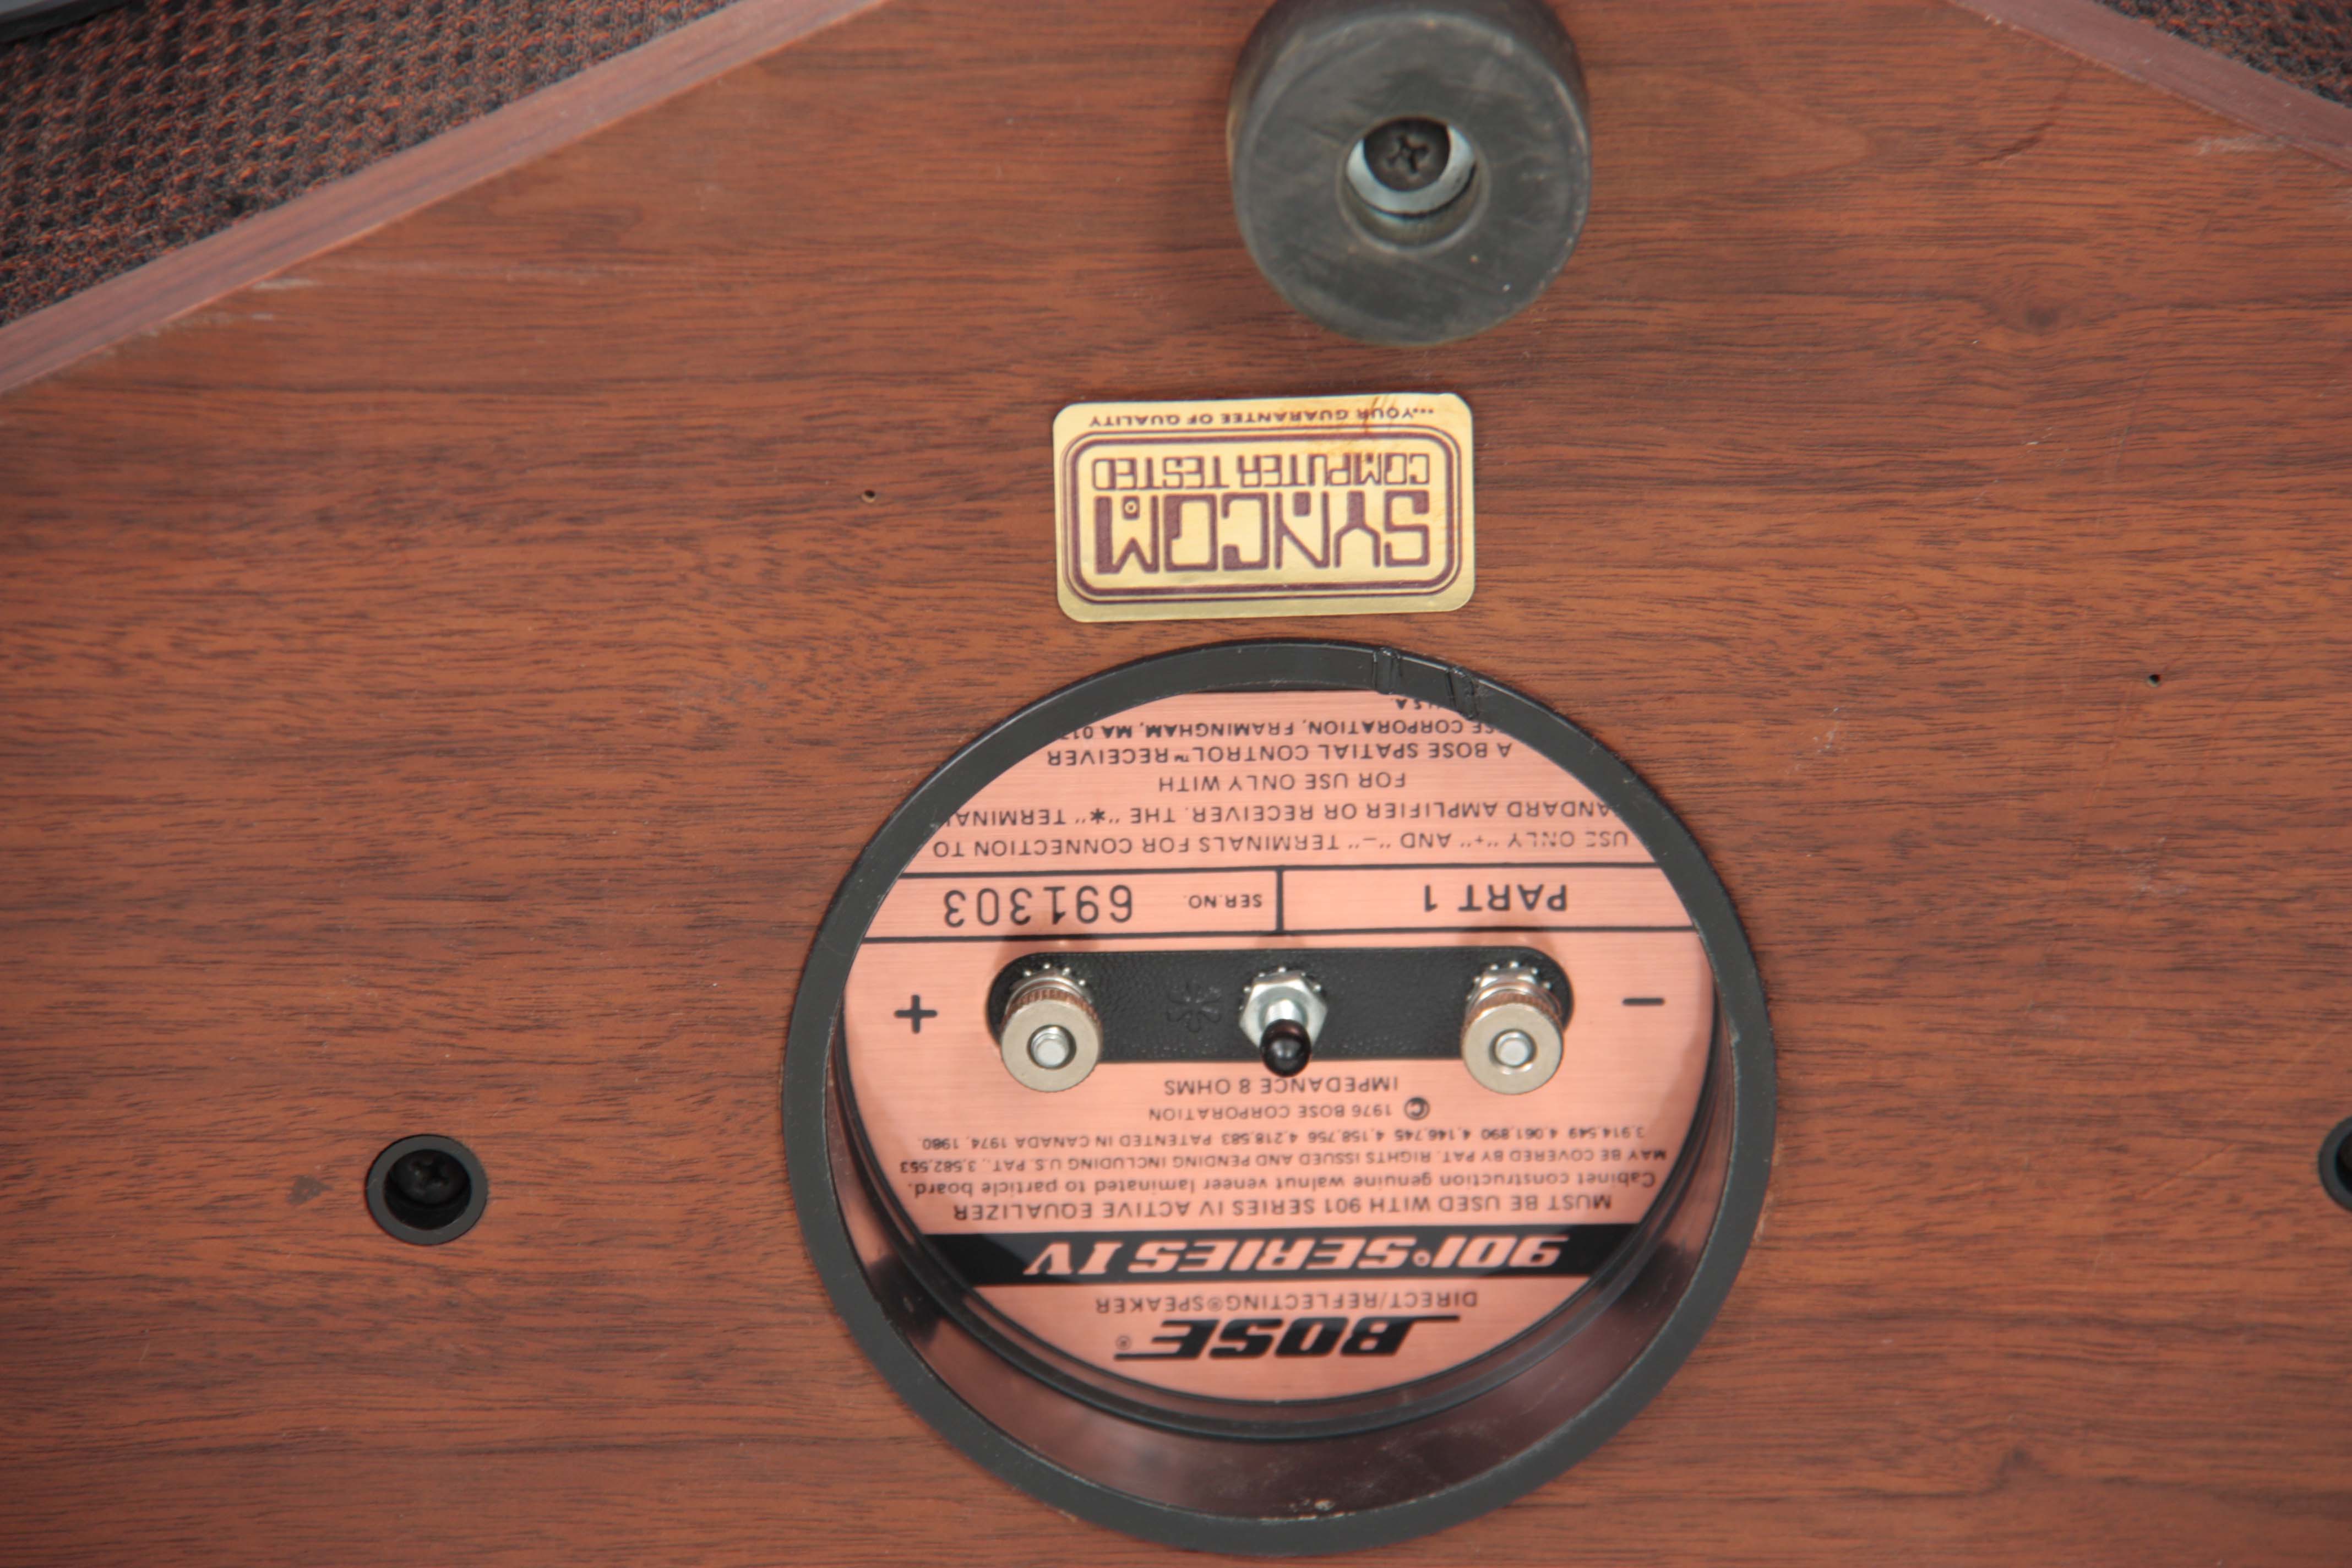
(2335, 1162)
(1320, 79)
(427, 1189)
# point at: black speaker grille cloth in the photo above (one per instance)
(2306, 42)
(159, 124)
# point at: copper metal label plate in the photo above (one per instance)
(1299, 506)
(1366, 1223)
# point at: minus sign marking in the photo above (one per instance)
(1645, 1001)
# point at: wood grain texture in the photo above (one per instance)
(444, 685)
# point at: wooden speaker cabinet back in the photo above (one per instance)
(444, 684)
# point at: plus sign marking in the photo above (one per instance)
(914, 1012)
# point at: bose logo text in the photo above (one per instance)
(1186, 1339)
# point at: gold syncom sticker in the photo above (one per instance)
(1266, 506)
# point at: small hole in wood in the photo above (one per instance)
(2335, 1163)
(2152, 680)
(427, 1190)
(870, 497)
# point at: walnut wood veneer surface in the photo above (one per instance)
(441, 686)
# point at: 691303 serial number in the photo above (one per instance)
(1047, 905)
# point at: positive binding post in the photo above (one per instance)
(1052, 1037)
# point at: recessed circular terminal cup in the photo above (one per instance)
(1513, 1031)
(1312, 1435)
(427, 1190)
(1052, 1037)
